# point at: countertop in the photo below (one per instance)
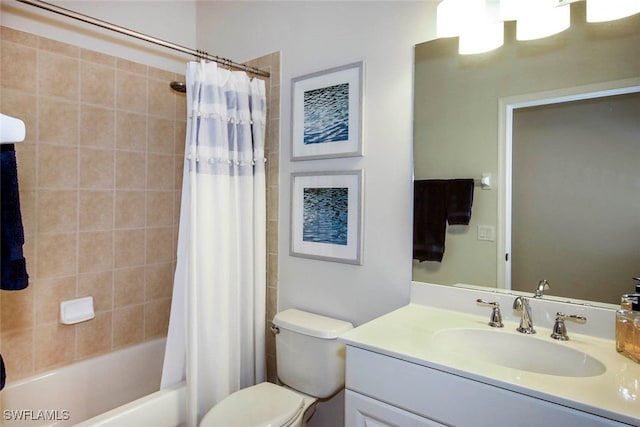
(407, 334)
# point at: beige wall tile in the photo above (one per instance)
(97, 84)
(49, 294)
(131, 92)
(159, 208)
(96, 168)
(57, 211)
(58, 76)
(160, 172)
(131, 131)
(128, 286)
(95, 335)
(180, 136)
(56, 255)
(53, 46)
(159, 281)
(97, 127)
(130, 248)
(20, 37)
(130, 170)
(100, 287)
(98, 57)
(57, 121)
(17, 310)
(156, 318)
(57, 166)
(130, 209)
(161, 135)
(18, 353)
(159, 74)
(160, 245)
(128, 326)
(178, 163)
(29, 212)
(22, 105)
(18, 67)
(96, 210)
(54, 345)
(132, 67)
(27, 165)
(162, 100)
(96, 251)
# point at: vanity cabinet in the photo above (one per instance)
(388, 391)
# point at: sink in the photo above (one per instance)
(523, 352)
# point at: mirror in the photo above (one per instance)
(457, 134)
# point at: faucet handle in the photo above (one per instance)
(496, 317)
(560, 330)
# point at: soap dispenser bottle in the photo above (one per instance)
(628, 327)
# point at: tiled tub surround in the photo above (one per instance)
(100, 176)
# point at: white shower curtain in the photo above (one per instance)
(217, 325)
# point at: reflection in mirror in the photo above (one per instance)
(575, 181)
(457, 133)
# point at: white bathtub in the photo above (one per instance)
(76, 393)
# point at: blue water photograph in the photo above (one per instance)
(326, 114)
(325, 215)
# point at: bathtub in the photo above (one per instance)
(85, 392)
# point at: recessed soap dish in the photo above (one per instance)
(76, 310)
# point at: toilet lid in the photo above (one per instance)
(262, 405)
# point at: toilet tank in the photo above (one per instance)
(309, 357)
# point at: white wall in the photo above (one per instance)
(171, 20)
(313, 36)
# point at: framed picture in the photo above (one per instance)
(326, 110)
(326, 216)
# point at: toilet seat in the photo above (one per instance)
(261, 405)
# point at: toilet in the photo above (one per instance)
(311, 365)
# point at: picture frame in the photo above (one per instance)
(326, 113)
(326, 216)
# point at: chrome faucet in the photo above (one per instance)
(543, 285)
(496, 317)
(560, 330)
(526, 325)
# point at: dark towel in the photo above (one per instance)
(429, 219)
(436, 202)
(12, 263)
(459, 201)
(3, 374)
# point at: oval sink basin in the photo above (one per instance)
(523, 352)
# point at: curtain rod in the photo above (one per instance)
(200, 54)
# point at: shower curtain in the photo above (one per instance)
(217, 324)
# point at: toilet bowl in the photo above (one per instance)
(310, 364)
(262, 405)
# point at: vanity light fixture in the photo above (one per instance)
(609, 10)
(538, 19)
(479, 24)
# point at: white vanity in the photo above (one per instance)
(423, 365)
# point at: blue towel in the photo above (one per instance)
(13, 266)
(3, 375)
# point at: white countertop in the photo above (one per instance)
(407, 334)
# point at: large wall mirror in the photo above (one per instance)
(575, 213)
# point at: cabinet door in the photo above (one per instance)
(362, 411)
